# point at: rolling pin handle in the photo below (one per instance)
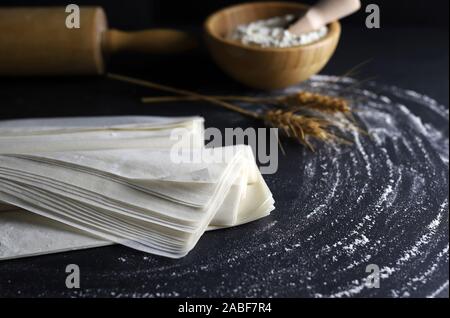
(159, 41)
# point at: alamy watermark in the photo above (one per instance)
(263, 141)
(73, 279)
(373, 280)
(73, 19)
(373, 20)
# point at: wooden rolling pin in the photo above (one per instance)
(36, 41)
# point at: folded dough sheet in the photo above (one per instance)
(89, 182)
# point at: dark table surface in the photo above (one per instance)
(288, 253)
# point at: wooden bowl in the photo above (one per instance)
(266, 68)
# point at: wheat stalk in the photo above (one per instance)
(315, 101)
(286, 116)
(299, 100)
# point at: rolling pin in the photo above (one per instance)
(36, 41)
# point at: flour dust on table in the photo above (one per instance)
(381, 201)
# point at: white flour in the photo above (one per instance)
(273, 33)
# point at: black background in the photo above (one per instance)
(410, 50)
(142, 13)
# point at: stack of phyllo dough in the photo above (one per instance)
(144, 182)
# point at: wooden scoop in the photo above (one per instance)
(323, 13)
(36, 41)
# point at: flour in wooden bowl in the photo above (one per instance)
(273, 33)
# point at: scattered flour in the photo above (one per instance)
(273, 33)
(393, 212)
